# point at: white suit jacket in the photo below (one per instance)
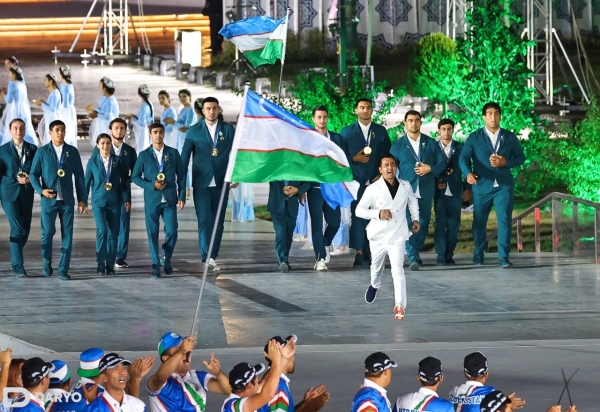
(376, 198)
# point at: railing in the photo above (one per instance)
(556, 206)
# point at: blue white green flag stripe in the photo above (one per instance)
(253, 34)
(271, 144)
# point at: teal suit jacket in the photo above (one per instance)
(94, 180)
(278, 200)
(43, 174)
(429, 153)
(146, 170)
(477, 151)
(353, 141)
(9, 168)
(455, 180)
(198, 143)
(128, 158)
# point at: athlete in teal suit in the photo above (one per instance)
(486, 161)
(52, 172)
(209, 142)
(160, 172)
(108, 179)
(16, 192)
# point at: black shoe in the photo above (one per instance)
(360, 262)
(440, 261)
(110, 271)
(419, 261)
(414, 266)
(505, 264)
(20, 271)
(120, 263)
(155, 273)
(450, 262)
(478, 260)
(64, 276)
(370, 294)
(101, 269)
(48, 268)
(167, 267)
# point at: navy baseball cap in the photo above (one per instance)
(378, 362)
(281, 341)
(493, 401)
(243, 373)
(168, 341)
(476, 365)
(430, 369)
(34, 370)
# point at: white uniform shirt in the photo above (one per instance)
(58, 150)
(212, 130)
(415, 145)
(129, 404)
(494, 139)
(117, 150)
(447, 151)
(159, 157)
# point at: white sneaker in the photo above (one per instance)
(213, 265)
(327, 254)
(320, 265)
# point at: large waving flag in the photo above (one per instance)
(271, 144)
(260, 39)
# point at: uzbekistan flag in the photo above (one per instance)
(271, 144)
(260, 39)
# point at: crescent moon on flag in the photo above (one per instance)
(260, 104)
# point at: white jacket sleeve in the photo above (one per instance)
(364, 208)
(413, 207)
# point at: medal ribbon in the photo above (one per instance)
(497, 145)
(107, 170)
(21, 158)
(213, 139)
(61, 161)
(159, 163)
(368, 139)
(447, 156)
(416, 156)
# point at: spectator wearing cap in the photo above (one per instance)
(60, 382)
(426, 399)
(249, 395)
(496, 401)
(314, 399)
(113, 375)
(468, 396)
(175, 387)
(372, 396)
(89, 362)
(36, 379)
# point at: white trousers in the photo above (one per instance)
(396, 253)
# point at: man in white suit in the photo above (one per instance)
(384, 203)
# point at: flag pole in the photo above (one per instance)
(232, 156)
(287, 19)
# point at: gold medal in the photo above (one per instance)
(60, 173)
(214, 151)
(160, 177)
(367, 151)
(108, 186)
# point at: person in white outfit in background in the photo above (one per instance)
(385, 204)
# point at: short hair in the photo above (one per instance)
(117, 120)
(60, 385)
(14, 121)
(103, 136)
(185, 91)
(363, 99)
(56, 123)
(209, 99)
(412, 113)
(319, 109)
(164, 93)
(156, 125)
(490, 105)
(388, 156)
(446, 121)
(374, 374)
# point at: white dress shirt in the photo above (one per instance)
(129, 404)
(365, 131)
(58, 150)
(159, 157)
(447, 151)
(415, 145)
(212, 129)
(494, 138)
(117, 150)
